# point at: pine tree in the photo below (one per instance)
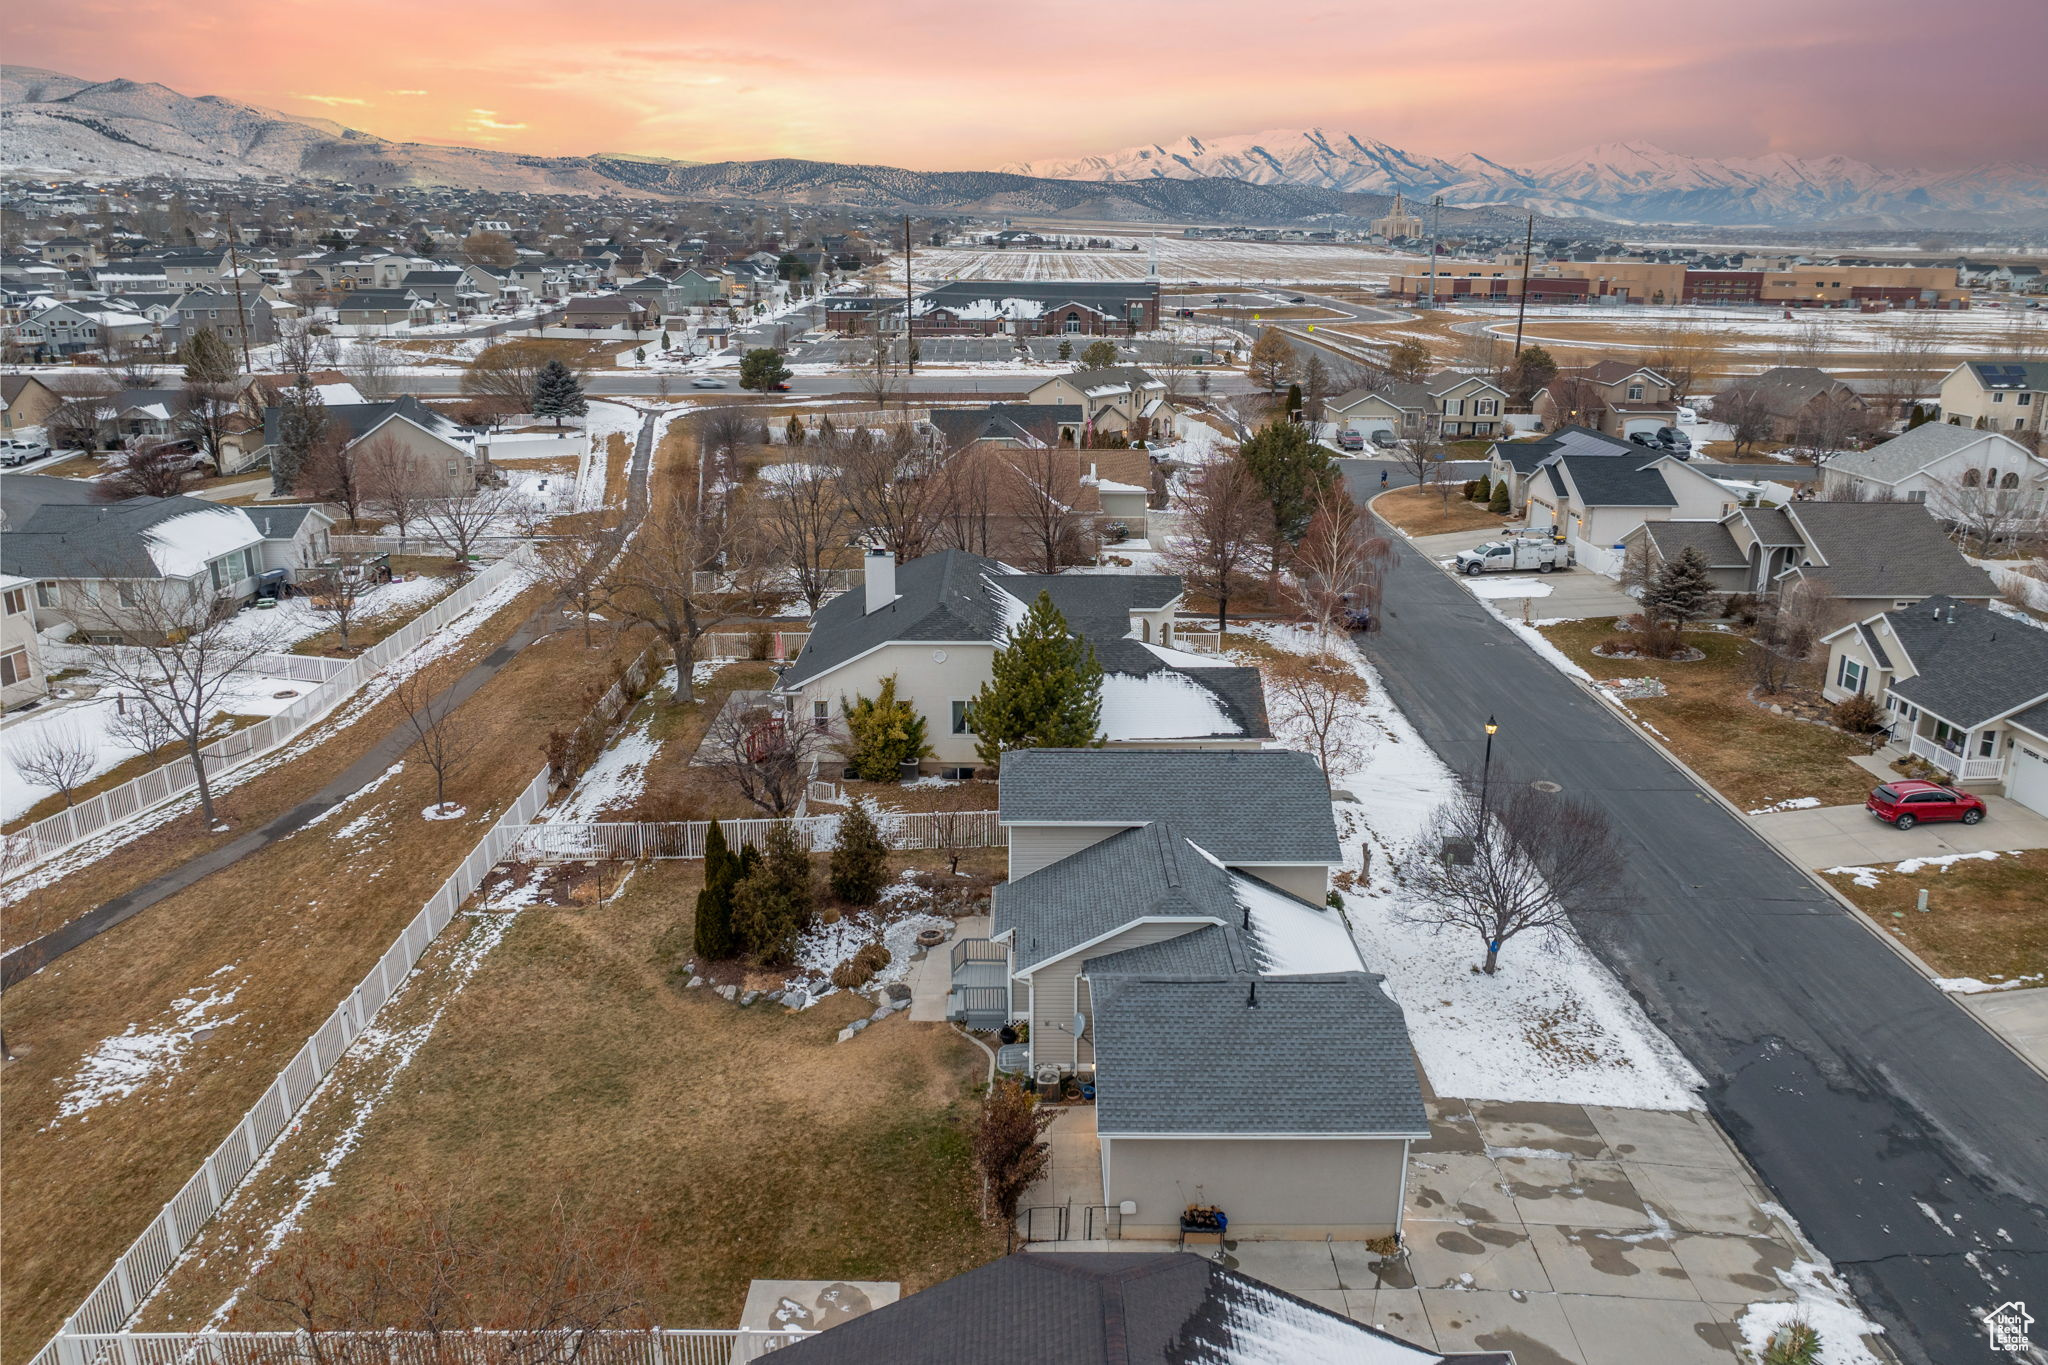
(1044, 692)
(1098, 355)
(1532, 369)
(1482, 491)
(762, 369)
(1066, 349)
(207, 357)
(1292, 467)
(1293, 401)
(1682, 591)
(882, 735)
(1500, 504)
(301, 422)
(557, 394)
(775, 901)
(793, 431)
(713, 930)
(825, 430)
(860, 858)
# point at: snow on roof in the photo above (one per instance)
(340, 394)
(1010, 609)
(1112, 486)
(1180, 658)
(1161, 705)
(1267, 1327)
(181, 546)
(1296, 939)
(982, 309)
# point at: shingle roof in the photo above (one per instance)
(1912, 451)
(1003, 421)
(1328, 1054)
(54, 534)
(1883, 549)
(1970, 664)
(1524, 456)
(1710, 538)
(1787, 388)
(280, 521)
(2010, 374)
(1104, 1308)
(2034, 718)
(1770, 526)
(1246, 806)
(1601, 481)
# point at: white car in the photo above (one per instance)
(14, 453)
(705, 381)
(1689, 416)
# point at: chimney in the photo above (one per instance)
(881, 580)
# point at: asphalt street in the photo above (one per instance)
(1909, 1142)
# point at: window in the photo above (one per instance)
(2026, 400)
(1987, 744)
(1635, 391)
(1852, 674)
(960, 725)
(821, 715)
(126, 593)
(1972, 478)
(14, 666)
(1998, 398)
(17, 601)
(1454, 407)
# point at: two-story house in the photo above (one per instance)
(1595, 501)
(446, 456)
(1613, 397)
(1938, 464)
(935, 624)
(1116, 400)
(22, 676)
(1441, 407)
(1996, 395)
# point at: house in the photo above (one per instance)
(295, 535)
(1108, 1308)
(450, 288)
(1594, 501)
(448, 458)
(1797, 397)
(62, 329)
(23, 678)
(25, 402)
(1512, 462)
(1943, 460)
(1961, 686)
(1168, 906)
(1613, 397)
(608, 312)
(1037, 308)
(1018, 424)
(1996, 395)
(1115, 400)
(695, 288)
(251, 318)
(935, 623)
(94, 563)
(387, 308)
(72, 253)
(1442, 407)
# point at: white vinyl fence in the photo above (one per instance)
(662, 1346)
(564, 842)
(53, 834)
(139, 1268)
(296, 667)
(730, 646)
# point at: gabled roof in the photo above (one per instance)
(1883, 549)
(1026, 423)
(2009, 374)
(1787, 388)
(1396, 393)
(359, 419)
(1330, 1053)
(376, 300)
(1106, 1308)
(1929, 443)
(1614, 371)
(1710, 538)
(281, 521)
(1970, 664)
(1769, 525)
(1600, 481)
(1524, 456)
(1246, 806)
(53, 533)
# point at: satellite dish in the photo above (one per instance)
(1080, 1023)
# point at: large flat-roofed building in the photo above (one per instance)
(1662, 282)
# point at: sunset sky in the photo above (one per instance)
(955, 86)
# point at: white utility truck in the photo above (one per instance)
(1515, 554)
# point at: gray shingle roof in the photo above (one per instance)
(1601, 481)
(1770, 526)
(1524, 456)
(1245, 806)
(1004, 421)
(1912, 451)
(1321, 1054)
(52, 534)
(1970, 664)
(1884, 549)
(280, 521)
(2010, 374)
(2034, 718)
(1710, 538)
(1104, 1308)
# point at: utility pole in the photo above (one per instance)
(1522, 304)
(1435, 218)
(909, 323)
(235, 278)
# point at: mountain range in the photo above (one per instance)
(1634, 182)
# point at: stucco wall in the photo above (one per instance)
(1269, 1187)
(923, 680)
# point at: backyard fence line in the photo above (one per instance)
(732, 646)
(296, 667)
(139, 1269)
(53, 834)
(658, 1346)
(422, 544)
(633, 842)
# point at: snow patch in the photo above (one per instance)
(1162, 705)
(122, 1065)
(1824, 1306)
(1795, 803)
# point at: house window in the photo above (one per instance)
(1987, 744)
(821, 715)
(14, 666)
(17, 602)
(126, 593)
(960, 725)
(2026, 400)
(1635, 391)
(1852, 674)
(1454, 407)
(1998, 398)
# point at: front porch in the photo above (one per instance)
(1964, 755)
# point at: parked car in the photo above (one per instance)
(1686, 414)
(1646, 439)
(1297, 299)
(13, 453)
(1675, 441)
(1502, 556)
(1350, 440)
(1905, 804)
(706, 381)
(1384, 439)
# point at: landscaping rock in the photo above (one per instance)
(729, 992)
(695, 981)
(774, 997)
(897, 990)
(749, 998)
(847, 1033)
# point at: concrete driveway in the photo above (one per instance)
(1567, 594)
(1844, 836)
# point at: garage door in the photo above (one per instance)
(2028, 784)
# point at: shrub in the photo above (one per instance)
(861, 968)
(1469, 489)
(860, 858)
(1482, 491)
(1499, 504)
(1743, 608)
(1008, 1145)
(1660, 640)
(1858, 714)
(882, 735)
(1795, 1343)
(775, 901)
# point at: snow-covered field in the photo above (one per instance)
(294, 618)
(1553, 1024)
(1766, 332)
(1180, 260)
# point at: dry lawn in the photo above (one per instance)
(1984, 919)
(289, 929)
(1426, 512)
(572, 1067)
(1747, 754)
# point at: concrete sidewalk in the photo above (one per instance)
(1840, 836)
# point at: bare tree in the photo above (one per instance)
(1811, 342)
(683, 575)
(762, 754)
(1576, 401)
(136, 728)
(1832, 423)
(877, 372)
(1421, 460)
(335, 596)
(1786, 636)
(437, 731)
(150, 469)
(1040, 487)
(57, 756)
(301, 350)
(1502, 869)
(372, 368)
(1907, 362)
(459, 522)
(967, 504)
(1315, 706)
(183, 662)
(207, 415)
(331, 473)
(1225, 521)
(397, 483)
(81, 420)
(1746, 414)
(890, 485)
(575, 567)
(1339, 564)
(1988, 510)
(803, 525)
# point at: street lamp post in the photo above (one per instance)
(1486, 766)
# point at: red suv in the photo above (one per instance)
(1905, 804)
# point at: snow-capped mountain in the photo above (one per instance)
(1632, 181)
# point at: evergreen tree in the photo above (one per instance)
(713, 931)
(775, 901)
(1500, 504)
(860, 858)
(1681, 591)
(1482, 491)
(207, 358)
(825, 430)
(882, 735)
(301, 422)
(1098, 355)
(1045, 690)
(1066, 349)
(1293, 401)
(762, 369)
(1292, 467)
(557, 394)
(1920, 418)
(1532, 369)
(793, 431)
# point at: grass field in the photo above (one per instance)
(1984, 918)
(1425, 512)
(1750, 756)
(564, 1064)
